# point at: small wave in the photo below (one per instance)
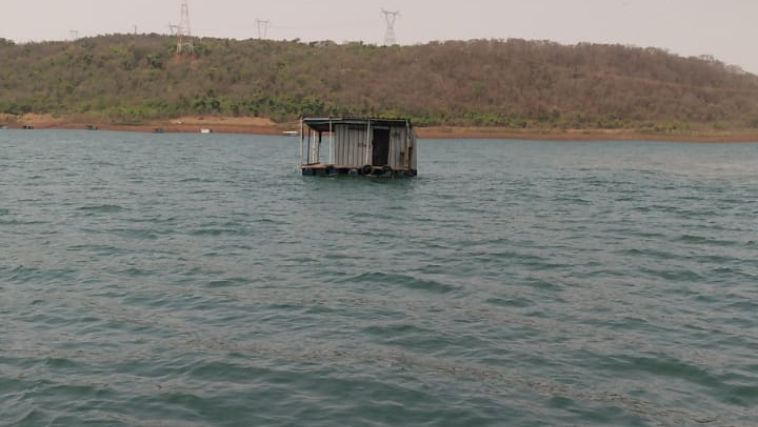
(136, 272)
(103, 163)
(60, 363)
(405, 281)
(235, 228)
(396, 330)
(510, 302)
(675, 275)
(648, 252)
(544, 284)
(270, 221)
(745, 306)
(19, 222)
(24, 274)
(214, 232)
(136, 233)
(223, 371)
(455, 369)
(701, 240)
(106, 208)
(661, 365)
(209, 232)
(572, 200)
(198, 180)
(227, 283)
(742, 395)
(29, 418)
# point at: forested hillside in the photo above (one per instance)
(514, 83)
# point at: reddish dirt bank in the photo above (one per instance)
(582, 135)
(261, 126)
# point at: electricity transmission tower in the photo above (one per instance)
(390, 16)
(73, 35)
(262, 28)
(184, 32)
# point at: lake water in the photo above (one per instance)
(198, 280)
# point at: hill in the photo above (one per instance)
(513, 84)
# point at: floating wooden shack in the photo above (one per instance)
(369, 147)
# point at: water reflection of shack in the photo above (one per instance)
(370, 147)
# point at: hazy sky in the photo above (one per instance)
(726, 29)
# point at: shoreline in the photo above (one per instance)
(260, 126)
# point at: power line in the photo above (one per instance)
(390, 16)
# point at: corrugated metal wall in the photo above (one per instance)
(350, 146)
(310, 149)
(398, 158)
(353, 151)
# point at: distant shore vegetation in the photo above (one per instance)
(500, 83)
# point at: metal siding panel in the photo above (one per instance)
(361, 147)
(350, 147)
(399, 142)
(407, 142)
(365, 142)
(354, 145)
(346, 159)
(394, 137)
(404, 161)
(337, 144)
(347, 147)
(396, 147)
(348, 150)
(343, 145)
(397, 150)
(401, 149)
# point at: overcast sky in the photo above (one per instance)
(726, 29)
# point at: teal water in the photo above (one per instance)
(188, 280)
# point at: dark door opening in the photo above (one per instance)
(381, 155)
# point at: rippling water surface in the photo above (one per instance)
(188, 280)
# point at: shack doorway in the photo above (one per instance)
(381, 153)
